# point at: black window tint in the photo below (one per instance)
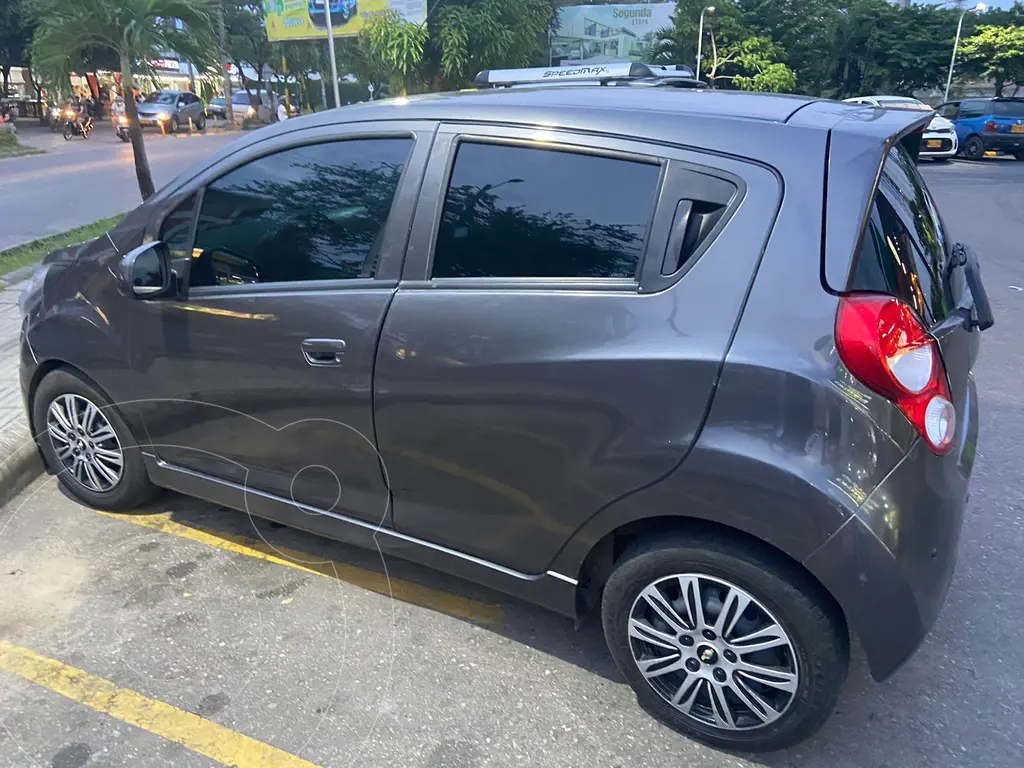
(949, 110)
(1008, 108)
(310, 213)
(904, 250)
(522, 212)
(974, 108)
(176, 230)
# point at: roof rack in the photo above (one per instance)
(624, 73)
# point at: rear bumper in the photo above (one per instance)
(891, 564)
(1003, 142)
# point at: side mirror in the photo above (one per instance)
(145, 271)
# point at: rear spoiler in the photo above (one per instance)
(860, 138)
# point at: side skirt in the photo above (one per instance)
(549, 590)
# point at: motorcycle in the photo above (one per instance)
(57, 117)
(73, 128)
(122, 128)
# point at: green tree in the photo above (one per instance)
(805, 29)
(136, 31)
(247, 43)
(750, 65)
(678, 43)
(15, 36)
(457, 39)
(1000, 53)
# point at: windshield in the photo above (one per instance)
(1008, 108)
(240, 97)
(162, 97)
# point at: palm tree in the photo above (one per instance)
(136, 32)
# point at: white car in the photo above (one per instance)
(939, 141)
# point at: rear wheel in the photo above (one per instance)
(87, 444)
(725, 643)
(974, 148)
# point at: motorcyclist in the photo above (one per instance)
(117, 111)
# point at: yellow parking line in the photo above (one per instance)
(406, 591)
(191, 731)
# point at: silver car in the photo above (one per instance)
(172, 110)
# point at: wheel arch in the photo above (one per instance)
(46, 367)
(602, 557)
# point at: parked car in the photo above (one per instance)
(172, 110)
(987, 125)
(576, 345)
(939, 141)
(217, 108)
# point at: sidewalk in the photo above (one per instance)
(19, 463)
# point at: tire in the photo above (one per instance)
(974, 148)
(132, 486)
(68, 131)
(201, 123)
(813, 658)
(175, 124)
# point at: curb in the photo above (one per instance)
(19, 460)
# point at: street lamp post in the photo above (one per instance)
(330, 52)
(700, 34)
(956, 44)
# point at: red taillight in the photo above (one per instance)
(991, 126)
(884, 345)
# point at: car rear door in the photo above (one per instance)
(565, 306)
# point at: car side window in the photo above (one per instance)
(176, 229)
(515, 211)
(973, 108)
(949, 111)
(310, 213)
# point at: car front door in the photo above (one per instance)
(260, 373)
(557, 333)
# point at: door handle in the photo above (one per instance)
(323, 352)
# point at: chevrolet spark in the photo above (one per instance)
(695, 362)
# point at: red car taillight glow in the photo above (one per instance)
(883, 344)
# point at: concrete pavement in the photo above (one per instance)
(79, 181)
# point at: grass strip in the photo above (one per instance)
(30, 253)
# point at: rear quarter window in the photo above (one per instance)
(904, 251)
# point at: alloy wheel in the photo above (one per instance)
(713, 651)
(85, 443)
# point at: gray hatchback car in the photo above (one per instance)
(696, 362)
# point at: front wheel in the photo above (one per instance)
(974, 148)
(201, 123)
(725, 642)
(87, 444)
(69, 131)
(174, 124)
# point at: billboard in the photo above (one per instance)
(602, 34)
(307, 19)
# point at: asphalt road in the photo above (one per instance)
(79, 181)
(337, 672)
